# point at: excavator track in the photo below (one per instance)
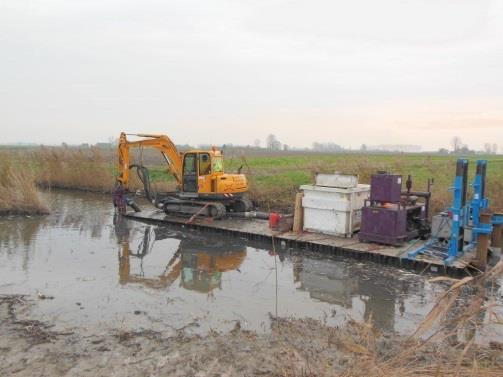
(175, 206)
(242, 205)
(217, 210)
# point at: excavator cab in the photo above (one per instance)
(201, 171)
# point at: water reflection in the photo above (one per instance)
(113, 265)
(87, 213)
(339, 283)
(199, 262)
(18, 232)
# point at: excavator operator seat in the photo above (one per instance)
(204, 164)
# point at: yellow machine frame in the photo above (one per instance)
(198, 173)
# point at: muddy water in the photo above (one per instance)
(106, 272)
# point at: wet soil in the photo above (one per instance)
(30, 348)
(292, 347)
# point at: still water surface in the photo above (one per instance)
(106, 272)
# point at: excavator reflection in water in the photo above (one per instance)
(199, 262)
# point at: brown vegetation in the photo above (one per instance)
(70, 168)
(18, 191)
(450, 348)
(92, 169)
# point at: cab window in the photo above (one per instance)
(189, 164)
(218, 164)
(204, 164)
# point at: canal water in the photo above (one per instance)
(105, 272)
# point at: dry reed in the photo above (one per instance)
(90, 169)
(438, 354)
(70, 168)
(18, 191)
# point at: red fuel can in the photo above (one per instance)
(274, 220)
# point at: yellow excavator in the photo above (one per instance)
(202, 186)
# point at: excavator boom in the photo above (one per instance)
(159, 142)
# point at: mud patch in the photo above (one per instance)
(291, 348)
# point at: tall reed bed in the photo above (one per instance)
(71, 168)
(18, 189)
(90, 169)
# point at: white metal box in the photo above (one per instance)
(335, 211)
(336, 180)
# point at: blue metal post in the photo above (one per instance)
(457, 211)
(478, 203)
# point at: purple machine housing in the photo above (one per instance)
(392, 216)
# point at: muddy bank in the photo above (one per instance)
(291, 348)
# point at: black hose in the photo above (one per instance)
(250, 214)
(133, 205)
(144, 176)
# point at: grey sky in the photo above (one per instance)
(351, 72)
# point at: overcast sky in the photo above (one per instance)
(350, 72)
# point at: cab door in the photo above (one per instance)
(190, 172)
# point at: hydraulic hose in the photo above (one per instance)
(144, 176)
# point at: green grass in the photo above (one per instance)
(160, 174)
(300, 170)
(275, 179)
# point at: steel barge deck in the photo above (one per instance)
(258, 230)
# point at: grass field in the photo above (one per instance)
(274, 178)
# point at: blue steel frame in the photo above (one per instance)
(479, 203)
(465, 215)
(457, 211)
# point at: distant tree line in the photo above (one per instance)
(458, 147)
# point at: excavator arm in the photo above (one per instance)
(159, 142)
